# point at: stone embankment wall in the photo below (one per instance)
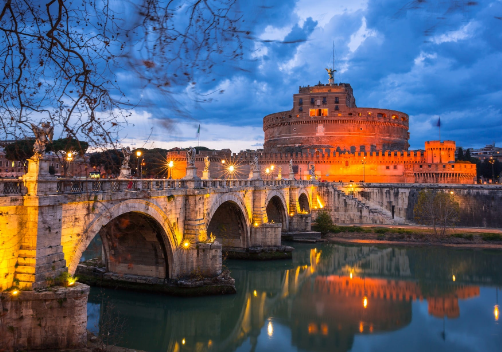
(480, 205)
(348, 209)
(52, 319)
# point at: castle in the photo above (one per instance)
(327, 134)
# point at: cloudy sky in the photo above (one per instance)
(425, 58)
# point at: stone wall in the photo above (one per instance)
(54, 319)
(480, 205)
(266, 235)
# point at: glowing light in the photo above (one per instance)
(223, 161)
(324, 329)
(170, 163)
(453, 278)
(272, 167)
(138, 153)
(183, 341)
(496, 312)
(15, 292)
(365, 302)
(361, 326)
(231, 168)
(71, 281)
(313, 328)
(210, 343)
(255, 224)
(270, 329)
(291, 214)
(351, 276)
(319, 202)
(186, 244)
(267, 170)
(255, 293)
(451, 192)
(69, 156)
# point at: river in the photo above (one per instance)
(329, 297)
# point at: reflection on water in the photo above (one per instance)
(328, 298)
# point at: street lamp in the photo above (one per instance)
(69, 159)
(364, 169)
(170, 164)
(492, 161)
(231, 170)
(138, 154)
(267, 171)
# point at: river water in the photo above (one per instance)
(329, 297)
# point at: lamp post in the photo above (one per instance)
(138, 154)
(492, 161)
(170, 165)
(231, 170)
(69, 159)
(267, 171)
(364, 169)
(142, 164)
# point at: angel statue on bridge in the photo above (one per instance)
(127, 156)
(43, 135)
(255, 166)
(191, 156)
(206, 163)
(312, 172)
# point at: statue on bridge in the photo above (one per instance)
(206, 163)
(312, 172)
(127, 156)
(255, 164)
(43, 135)
(191, 156)
(254, 169)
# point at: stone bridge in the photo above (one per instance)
(167, 229)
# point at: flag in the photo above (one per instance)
(198, 132)
(439, 122)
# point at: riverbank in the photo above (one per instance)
(417, 236)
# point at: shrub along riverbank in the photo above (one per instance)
(426, 236)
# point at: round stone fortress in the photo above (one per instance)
(326, 116)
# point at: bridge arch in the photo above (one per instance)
(303, 201)
(277, 209)
(159, 239)
(228, 221)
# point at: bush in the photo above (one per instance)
(491, 237)
(381, 231)
(467, 236)
(323, 223)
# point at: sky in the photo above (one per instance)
(425, 58)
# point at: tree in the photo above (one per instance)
(437, 209)
(20, 150)
(323, 223)
(108, 160)
(467, 156)
(460, 155)
(60, 59)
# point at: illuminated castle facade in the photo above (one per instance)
(326, 130)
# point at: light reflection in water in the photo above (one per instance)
(329, 298)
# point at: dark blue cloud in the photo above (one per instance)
(427, 60)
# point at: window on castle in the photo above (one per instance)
(379, 115)
(395, 167)
(13, 164)
(359, 114)
(324, 101)
(420, 166)
(387, 167)
(453, 166)
(318, 112)
(350, 114)
(301, 108)
(336, 107)
(300, 102)
(1, 163)
(312, 101)
(444, 166)
(337, 100)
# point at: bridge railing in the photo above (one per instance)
(69, 186)
(11, 187)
